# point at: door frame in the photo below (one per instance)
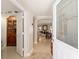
(54, 28)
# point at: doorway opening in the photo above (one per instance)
(43, 37)
(11, 31)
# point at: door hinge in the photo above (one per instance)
(22, 33)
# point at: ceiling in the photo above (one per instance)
(41, 9)
(8, 7)
(38, 7)
(44, 20)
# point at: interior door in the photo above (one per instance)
(11, 31)
(20, 36)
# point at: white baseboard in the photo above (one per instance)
(35, 42)
(28, 54)
(3, 47)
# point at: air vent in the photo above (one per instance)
(15, 11)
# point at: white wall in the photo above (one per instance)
(28, 30)
(3, 31)
(44, 21)
(28, 33)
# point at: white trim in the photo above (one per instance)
(67, 45)
(35, 42)
(54, 28)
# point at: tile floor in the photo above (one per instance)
(41, 50)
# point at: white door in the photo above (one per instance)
(20, 35)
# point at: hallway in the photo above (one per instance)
(41, 51)
(56, 19)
